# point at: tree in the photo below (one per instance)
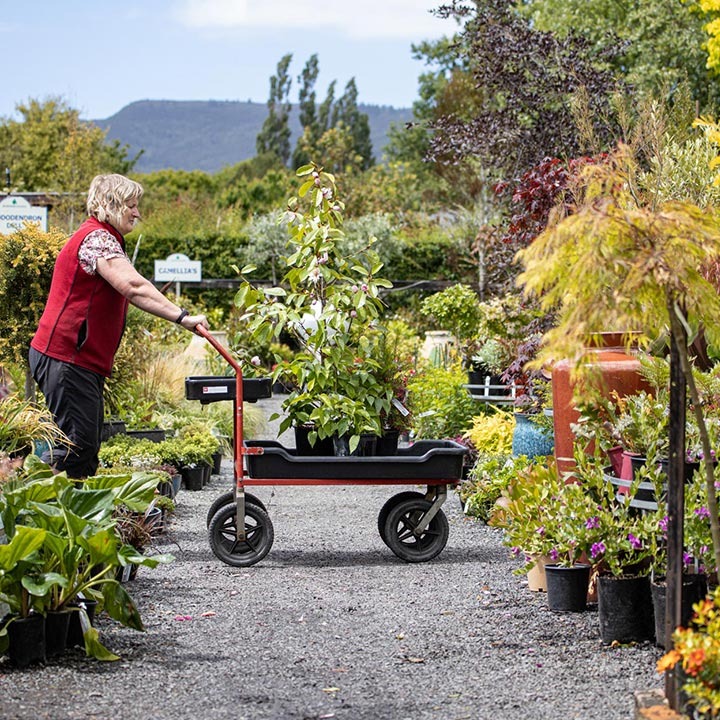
(663, 43)
(524, 82)
(51, 149)
(305, 147)
(410, 143)
(347, 114)
(274, 137)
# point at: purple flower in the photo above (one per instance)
(515, 550)
(597, 549)
(553, 554)
(592, 523)
(663, 524)
(702, 512)
(634, 542)
(687, 558)
(541, 530)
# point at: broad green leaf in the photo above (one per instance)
(41, 585)
(305, 187)
(248, 269)
(94, 648)
(22, 545)
(120, 606)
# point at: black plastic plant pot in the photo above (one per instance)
(567, 587)
(26, 641)
(210, 388)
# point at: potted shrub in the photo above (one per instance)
(80, 549)
(327, 303)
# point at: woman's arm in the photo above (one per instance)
(120, 273)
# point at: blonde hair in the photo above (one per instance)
(109, 195)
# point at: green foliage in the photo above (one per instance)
(51, 149)
(326, 303)
(664, 43)
(489, 479)
(27, 259)
(441, 406)
(456, 309)
(22, 424)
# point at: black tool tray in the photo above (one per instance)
(423, 460)
(213, 388)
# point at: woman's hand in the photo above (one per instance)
(190, 322)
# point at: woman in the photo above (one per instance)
(74, 347)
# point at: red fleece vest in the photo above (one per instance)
(84, 317)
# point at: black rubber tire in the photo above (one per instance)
(258, 539)
(399, 527)
(228, 497)
(390, 503)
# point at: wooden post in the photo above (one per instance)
(676, 512)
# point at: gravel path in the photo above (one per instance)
(332, 625)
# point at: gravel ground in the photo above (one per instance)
(332, 625)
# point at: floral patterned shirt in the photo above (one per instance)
(98, 244)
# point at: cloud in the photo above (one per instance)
(365, 19)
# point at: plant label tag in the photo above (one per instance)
(400, 407)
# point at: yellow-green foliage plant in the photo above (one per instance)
(27, 259)
(492, 433)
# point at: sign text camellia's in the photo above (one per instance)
(178, 268)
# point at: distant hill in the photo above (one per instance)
(207, 135)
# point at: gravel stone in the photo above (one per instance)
(332, 625)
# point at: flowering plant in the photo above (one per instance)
(697, 649)
(544, 515)
(623, 541)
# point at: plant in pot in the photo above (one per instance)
(80, 548)
(24, 426)
(622, 548)
(327, 302)
(524, 512)
(457, 310)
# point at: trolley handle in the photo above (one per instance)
(204, 332)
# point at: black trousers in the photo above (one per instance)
(75, 398)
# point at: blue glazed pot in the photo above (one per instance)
(529, 438)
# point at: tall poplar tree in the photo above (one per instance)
(274, 137)
(346, 113)
(308, 113)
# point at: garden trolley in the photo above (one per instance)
(412, 524)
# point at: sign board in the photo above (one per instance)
(14, 211)
(178, 268)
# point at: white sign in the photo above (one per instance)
(14, 211)
(178, 268)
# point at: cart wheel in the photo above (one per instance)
(400, 531)
(390, 503)
(259, 535)
(228, 497)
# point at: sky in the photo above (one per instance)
(99, 55)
